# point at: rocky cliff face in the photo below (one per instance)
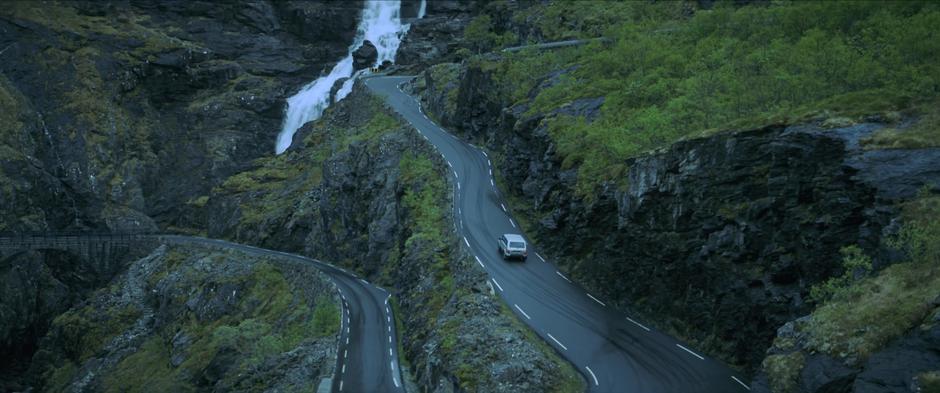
(182, 318)
(705, 234)
(121, 115)
(359, 189)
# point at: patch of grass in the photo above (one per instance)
(326, 318)
(783, 371)
(929, 382)
(146, 370)
(85, 331)
(923, 134)
(869, 314)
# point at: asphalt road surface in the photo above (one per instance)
(367, 360)
(613, 351)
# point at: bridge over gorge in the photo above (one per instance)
(104, 247)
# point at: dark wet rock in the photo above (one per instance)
(365, 56)
(145, 122)
(434, 38)
(336, 86)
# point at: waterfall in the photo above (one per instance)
(381, 25)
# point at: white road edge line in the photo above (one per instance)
(690, 351)
(497, 284)
(562, 275)
(512, 222)
(484, 154)
(478, 261)
(638, 324)
(466, 242)
(395, 379)
(502, 206)
(596, 300)
(455, 176)
(540, 257)
(556, 341)
(364, 281)
(592, 376)
(739, 381)
(523, 312)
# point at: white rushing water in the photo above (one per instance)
(381, 25)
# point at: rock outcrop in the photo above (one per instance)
(192, 317)
(365, 56)
(128, 113)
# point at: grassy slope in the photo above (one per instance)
(668, 76)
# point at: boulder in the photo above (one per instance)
(365, 56)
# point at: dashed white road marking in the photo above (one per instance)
(344, 369)
(562, 275)
(557, 342)
(466, 242)
(478, 261)
(347, 337)
(497, 284)
(596, 300)
(387, 310)
(690, 351)
(458, 185)
(592, 376)
(459, 212)
(484, 154)
(395, 379)
(540, 257)
(345, 352)
(502, 206)
(449, 164)
(491, 172)
(488, 162)
(523, 312)
(389, 352)
(389, 319)
(389, 339)
(491, 183)
(739, 381)
(512, 222)
(341, 385)
(364, 281)
(638, 324)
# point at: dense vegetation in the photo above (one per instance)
(670, 73)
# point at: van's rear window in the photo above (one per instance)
(516, 245)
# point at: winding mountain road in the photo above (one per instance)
(614, 352)
(367, 358)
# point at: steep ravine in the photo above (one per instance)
(359, 188)
(716, 239)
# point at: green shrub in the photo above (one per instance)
(855, 264)
(783, 371)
